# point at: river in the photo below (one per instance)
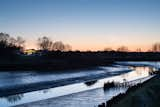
(83, 94)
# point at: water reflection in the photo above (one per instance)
(14, 98)
(144, 68)
(90, 83)
(137, 73)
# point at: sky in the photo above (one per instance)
(84, 24)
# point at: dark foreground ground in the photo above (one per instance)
(147, 95)
(56, 60)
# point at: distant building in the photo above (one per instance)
(29, 51)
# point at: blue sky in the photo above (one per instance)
(85, 24)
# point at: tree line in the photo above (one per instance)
(45, 43)
(155, 48)
(10, 44)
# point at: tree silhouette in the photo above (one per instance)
(4, 39)
(123, 49)
(58, 46)
(156, 47)
(12, 41)
(20, 41)
(9, 45)
(138, 50)
(44, 43)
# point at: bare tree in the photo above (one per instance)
(156, 47)
(44, 43)
(12, 41)
(58, 46)
(123, 49)
(20, 41)
(9, 47)
(138, 50)
(4, 38)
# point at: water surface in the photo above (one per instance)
(87, 94)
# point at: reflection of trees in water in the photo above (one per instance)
(115, 89)
(151, 69)
(90, 83)
(139, 70)
(142, 70)
(14, 98)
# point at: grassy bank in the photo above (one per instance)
(146, 95)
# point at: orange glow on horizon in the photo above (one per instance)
(94, 48)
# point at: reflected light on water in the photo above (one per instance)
(137, 73)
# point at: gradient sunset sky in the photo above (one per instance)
(84, 24)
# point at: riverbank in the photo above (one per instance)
(145, 95)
